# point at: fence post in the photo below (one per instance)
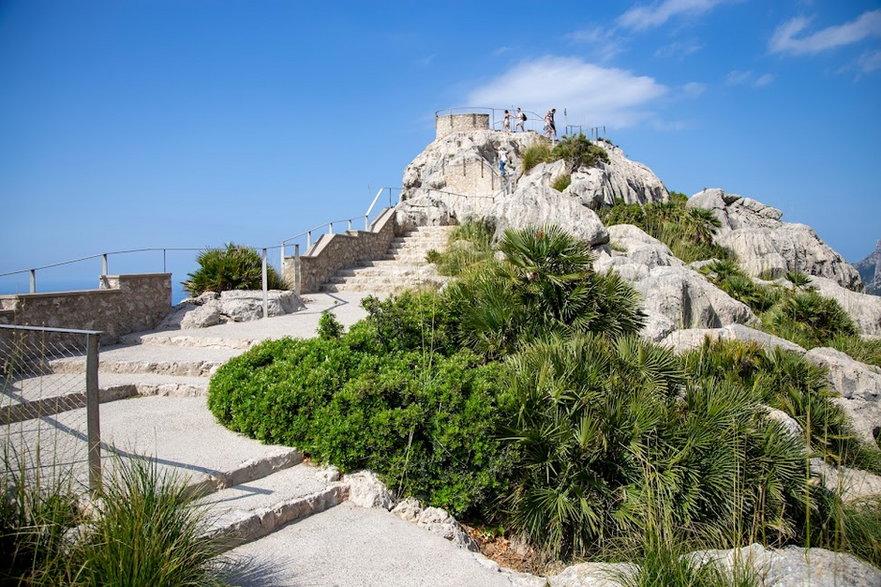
(308, 240)
(297, 270)
(366, 223)
(350, 223)
(33, 281)
(104, 264)
(164, 264)
(93, 421)
(281, 260)
(330, 228)
(265, 285)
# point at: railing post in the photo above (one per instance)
(330, 228)
(308, 240)
(104, 264)
(297, 270)
(281, 260)
(33, 281)
(164, 264)
(265, 285)
(350, 223)
(93, 421)
(366, 222)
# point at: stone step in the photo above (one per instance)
(389, 271)
(187, 361)
(179, 434)
(257, 508)
(35, 397)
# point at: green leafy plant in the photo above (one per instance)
(539, 152)
(328, 326)
(234, 267)
(579, 152)
(561, 182)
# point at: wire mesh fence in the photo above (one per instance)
(49, 422)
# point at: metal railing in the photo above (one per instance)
(534, 120)
(33, 395)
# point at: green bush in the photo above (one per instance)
(808, 319)
(579, 152)
(536, 153)
(470, 243)
(687, 231)
(235, 267)
(328, 326)
(561, 182)
(427, 424)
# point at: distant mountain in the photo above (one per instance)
(870, 271)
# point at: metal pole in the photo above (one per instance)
(164, 265)
(297, 270)
(33, 281)
(366, 222)
(330, 228)
(104, 264)
(265, 292)
(93, 421)
(350, 223)
(308, 240)
(281, 261)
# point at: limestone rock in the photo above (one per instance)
(670, 289)
(793, 566)
(594, 575)
(766, 245)
(870, 271)
(792, 427)
(851, 484)
(247, 305)
(202, 316)
(864, 309)
(859, 386)
(435, 520)
(687, 339)
(367, 491)
(620, 178)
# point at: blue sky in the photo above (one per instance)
(151, 123)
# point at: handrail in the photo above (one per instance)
(372, 204)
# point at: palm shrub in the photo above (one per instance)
(233, 267)
(808, 318)
(866, 351)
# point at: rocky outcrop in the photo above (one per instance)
(675, 295)
(859, 388)
(456, 178)
(851, 484)
(765, 245)
(870, 271)
(212, 308)
(691, 338)
(864, 309)
(785, 567)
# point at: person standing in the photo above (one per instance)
(506, 122)
(503, 159)
(520, 116)
(550, 127)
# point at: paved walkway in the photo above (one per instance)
(293, 517)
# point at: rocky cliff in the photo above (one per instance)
(870, 271)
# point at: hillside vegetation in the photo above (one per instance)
(521, 398)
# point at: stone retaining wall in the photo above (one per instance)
(123, 304)
(337, 251)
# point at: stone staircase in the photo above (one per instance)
(404, 265)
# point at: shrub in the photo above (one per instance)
(536, 153)
(426, 423)
(808, 319)
(579, 152)
(866, 351)
(235, 267)
(328, 326)
(470, 244)
(561, 182)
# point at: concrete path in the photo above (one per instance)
(286, 521)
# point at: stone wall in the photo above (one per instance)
(337, 251)
(123, 304)
(471, 175)
(444, 125)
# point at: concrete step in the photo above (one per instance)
(179, 434)
(36, 397)
(348, 545)
(164, 360)
(257, 508)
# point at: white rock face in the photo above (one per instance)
(850, 484)
(864, 309)
(594, 575)
(859, 386)
(795, 567)
(766, 245)
(674, 293)
(455, 178)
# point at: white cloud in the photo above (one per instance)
(678, 50)
(605, 41)
(591, 94)
(694, 89)
(654, 15)
(748, 78)
(786, 37)
(869, 61)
